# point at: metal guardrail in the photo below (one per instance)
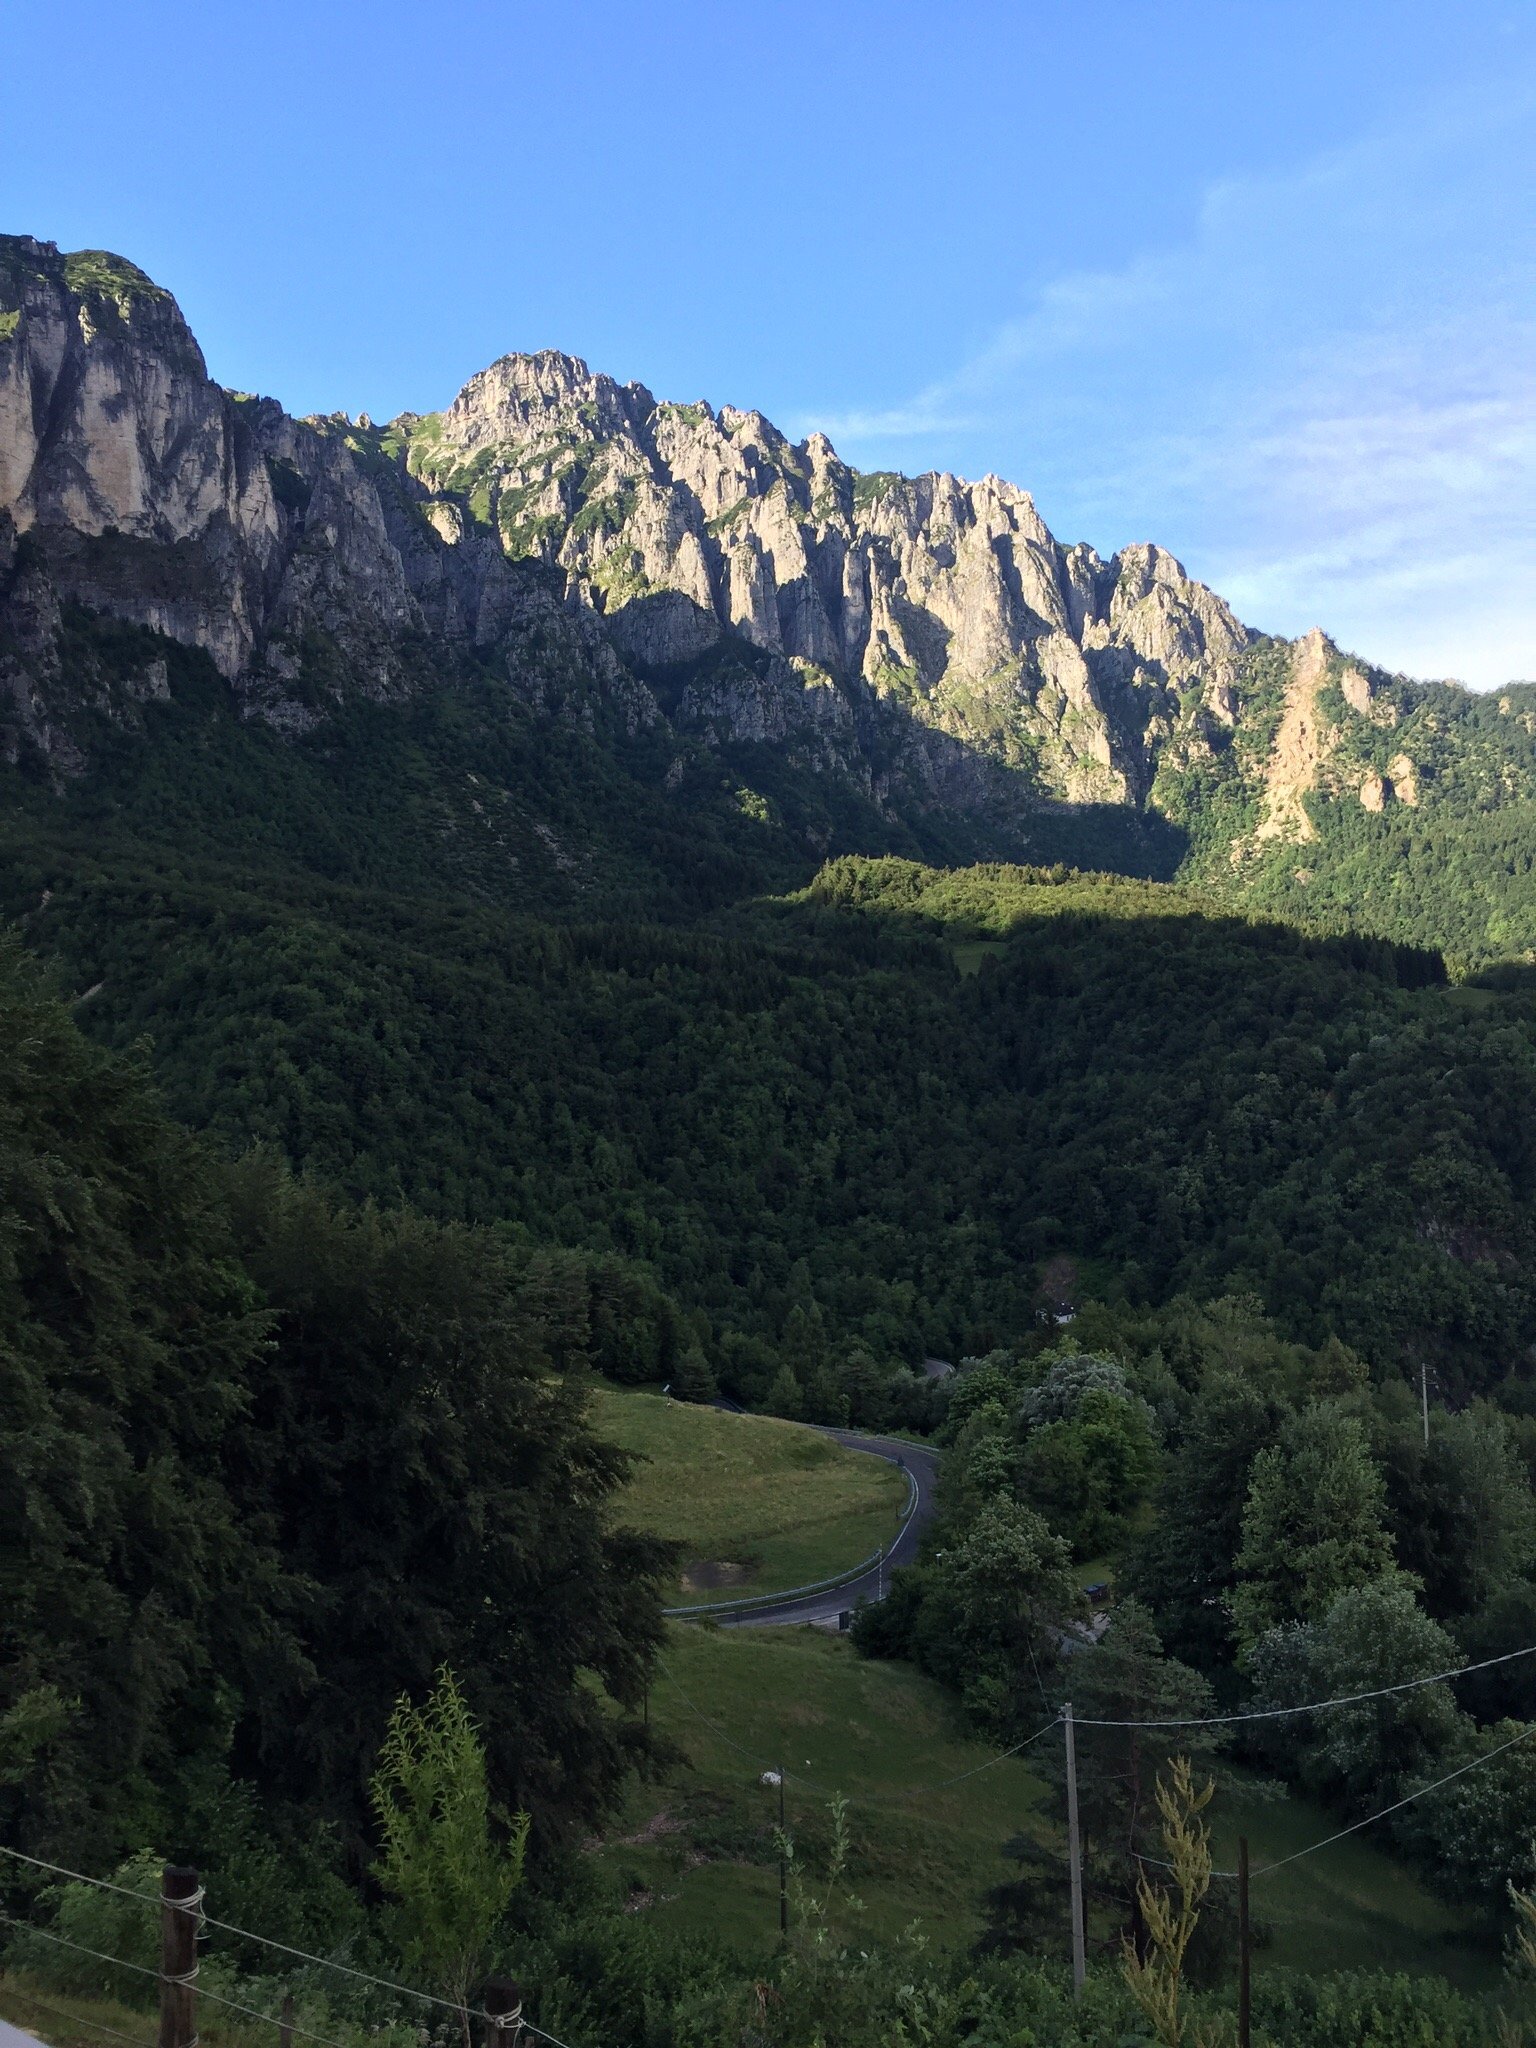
(748, 1601)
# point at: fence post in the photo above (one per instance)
(503, 2012)
(181, 1896)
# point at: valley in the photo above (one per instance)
(566, 955)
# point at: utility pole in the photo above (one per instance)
(1424, 1396)
(285, 2023)
(503, 2012)
(181, 1896)
(783, 1862)
(1244, 1951)
(1074, 1857)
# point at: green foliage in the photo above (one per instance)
(448, 1878)
(130, 1337)
(1451, 870)
(1186, 1565)
(871, 485)
(1127, 1678)
(1314, 1524)
(97, 273)
(87, 1917)
(1154, 1968)
(1377, 1635)
(1089, 1453)
(984, 1612)
(440, 1489)
(1479, 1833)
(267, 1464)
(1460, 1506)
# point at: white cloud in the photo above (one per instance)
(1323, 398)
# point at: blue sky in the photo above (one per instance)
(1255, 281)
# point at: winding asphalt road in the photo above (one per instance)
(923, 1464)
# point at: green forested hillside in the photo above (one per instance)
(835, 1149)
(253, 1440)
(629, 1078)
(1443, 857)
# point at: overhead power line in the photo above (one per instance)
(243, 1934)
(1371, 1818)
(1001, 1758)
(1351, 1699)
(63, 1941)
(77, 1877)
(225, 1927)
(1423, 1792)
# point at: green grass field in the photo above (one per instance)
(67, 2019)
(758, 1505)
(696, 1850)
(878, 1733)
(969, 953)
(1347, 1907)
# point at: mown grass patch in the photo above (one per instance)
(755, 1503)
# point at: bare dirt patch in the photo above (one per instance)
(712, 1575)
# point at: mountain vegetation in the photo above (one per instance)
(573, 887)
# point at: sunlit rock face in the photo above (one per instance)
(923, 631)
(682, 525)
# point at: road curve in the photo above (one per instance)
(923, 1464)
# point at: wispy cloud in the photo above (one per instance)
(1323, 396)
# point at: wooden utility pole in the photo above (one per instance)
(503, 2012)
(783, 1862)
(285, 2022)
(181, 1896)
(1424, 1396)
(1244, 1951)
(1074, 1857)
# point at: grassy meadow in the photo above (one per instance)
(697, 1849)
(699, 1845)
(757, 1504)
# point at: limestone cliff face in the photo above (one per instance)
(926, 637)
(952, 600)
(118, 452)
(293, 552)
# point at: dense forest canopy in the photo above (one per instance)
(268, 1462)
(368, 1088)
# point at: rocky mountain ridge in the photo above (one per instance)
(620, 559)
(665, 534)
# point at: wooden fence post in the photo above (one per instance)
(181, 1897)
(503, 2013)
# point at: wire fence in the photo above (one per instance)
(291, 2028)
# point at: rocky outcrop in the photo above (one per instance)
(952, 600)
(1300, 747)
(620, 561)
